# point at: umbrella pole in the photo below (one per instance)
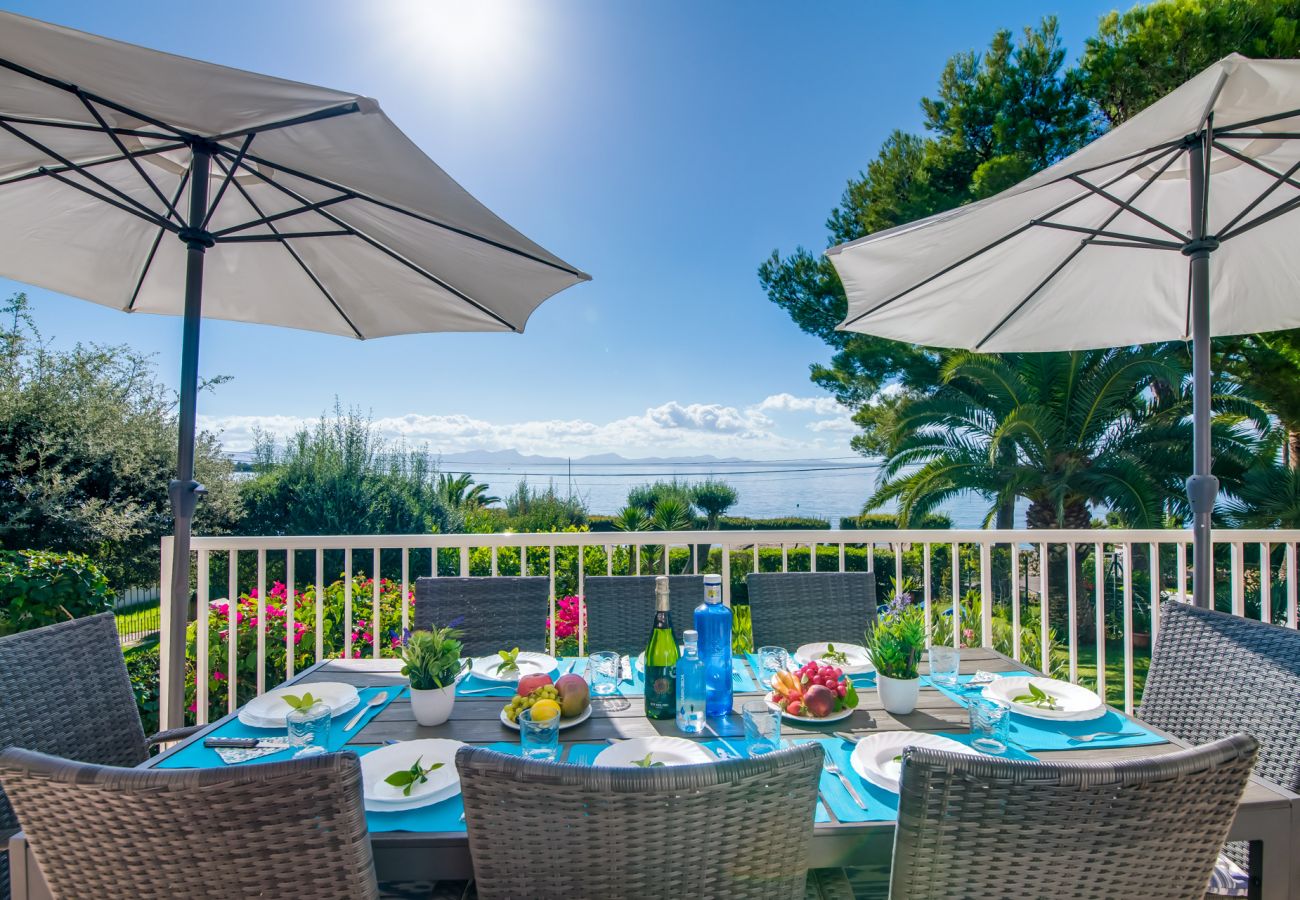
(1202, 487)
(184, 491)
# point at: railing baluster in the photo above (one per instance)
(347, 603)
(551, 592)
(320, 603)
(609, 560)
(1154, 550)
(755, 548)
(637, 549)
(1099, 611)
(494, 561)
(1237, 550)
(582, 599)
(812, 557)
(785, 558)
(925, 591)
(956, 596)
(871, 557)
(1180, 563)
(464, 561)
(1265, 583)
(261, 620)
(232, 640)
(523, 562)
(898, 566)
(726, 574)
(1072, 606)
(1291, 592)
(1044, 609)
(289, 608)
(406, 585)
(376, 576)
(1015, 600)
(202, 668)
(986, 594)
(1128, 628)
(842, 569)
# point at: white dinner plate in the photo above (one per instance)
(859, 660)
(833, 717)
(874, 756)
(379, 764)
(670, 751)
(1077, 704)
(268, 710)
(564, 723)
(486, 667)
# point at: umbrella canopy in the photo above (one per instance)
(1113, 245)
(154, 183)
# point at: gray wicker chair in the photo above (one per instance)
(736, 828)
(794, 608)
(979, 826)
(495, 613)
(292, 829)
(621, 609)
(64, 690)
(1213, 674)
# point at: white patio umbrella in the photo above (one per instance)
(1112, 246)
(124, 170)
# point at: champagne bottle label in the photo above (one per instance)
(661, 692)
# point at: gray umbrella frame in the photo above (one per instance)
(191, 228)
(1198, 246)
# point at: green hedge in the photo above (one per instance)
(731, 523)
(887, 522)
(39, 588)
(142, 665)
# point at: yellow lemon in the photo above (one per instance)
(545, 709)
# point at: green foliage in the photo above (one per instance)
(87, 447)
(1031, 651)
(39, 588)
(340, 478)
(896, 641)
(462, 493)
(713, 498)
(532, 510)
(1139, 56)
(889, 522)
(142, 666)
(431, 659)
(777, 523)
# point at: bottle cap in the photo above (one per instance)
(690, 636)
(713, 579)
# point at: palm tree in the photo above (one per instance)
(1064, 431)
(461, 492)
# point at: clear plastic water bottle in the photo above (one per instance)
(713, 622)
(690, 686)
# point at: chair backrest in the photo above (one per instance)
(621, 609)
(494, 613)
(293, 829)
(64, 690)
(1213, 674)
(979, 826)
(735, 828)
(789, 609)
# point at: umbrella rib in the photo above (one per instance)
(266, 220)
(151, 219)
(85, 126)
(135, 164)
(1263, 219)
(153, 250)
(71, 167)
(89, 176)
(294, 255)
(324, 182)
(225, 182)
(278, 236)
(331, 112)
(999, 241)
(1279, 180)
(1261, 120)
(1129, 207)
(1135, 240)
(1083, 244)
(383, 248)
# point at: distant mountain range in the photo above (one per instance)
(515, 458)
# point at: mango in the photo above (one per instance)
(575, 696)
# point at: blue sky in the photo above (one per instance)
(665, 147)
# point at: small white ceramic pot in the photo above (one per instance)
(897, 695)
(433, 707)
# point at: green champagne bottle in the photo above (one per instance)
(661, 659)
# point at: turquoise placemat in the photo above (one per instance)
(444, 816)
(863, 679)
(1048, 734)
(196, 756)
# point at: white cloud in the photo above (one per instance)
(842, 424)
(823, 406)
(668, 429)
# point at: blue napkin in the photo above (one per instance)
(196, 756)
(443, 816)
(1052, 734)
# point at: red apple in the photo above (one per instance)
(820, 701)
(530, 683)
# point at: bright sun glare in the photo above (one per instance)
(464, 43)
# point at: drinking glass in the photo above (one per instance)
(770, 661)
(762, 727)
(603, 672)
(309, 729)
(539, 738)
(990, 724)
(944, 663)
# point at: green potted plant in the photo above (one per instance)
(895, 643)
(431, 660)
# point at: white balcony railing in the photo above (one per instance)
(1000, 579)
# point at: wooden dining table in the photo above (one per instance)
(1266, 816)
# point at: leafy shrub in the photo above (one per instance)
(780, 523)
(889, 521)
(142, 663)
(40, 588)
(301, 639)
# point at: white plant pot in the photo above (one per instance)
(897, 695)
(433, 707)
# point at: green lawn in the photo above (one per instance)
(1114, 670)
(138, 621)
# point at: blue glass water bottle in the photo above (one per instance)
(713, 622)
